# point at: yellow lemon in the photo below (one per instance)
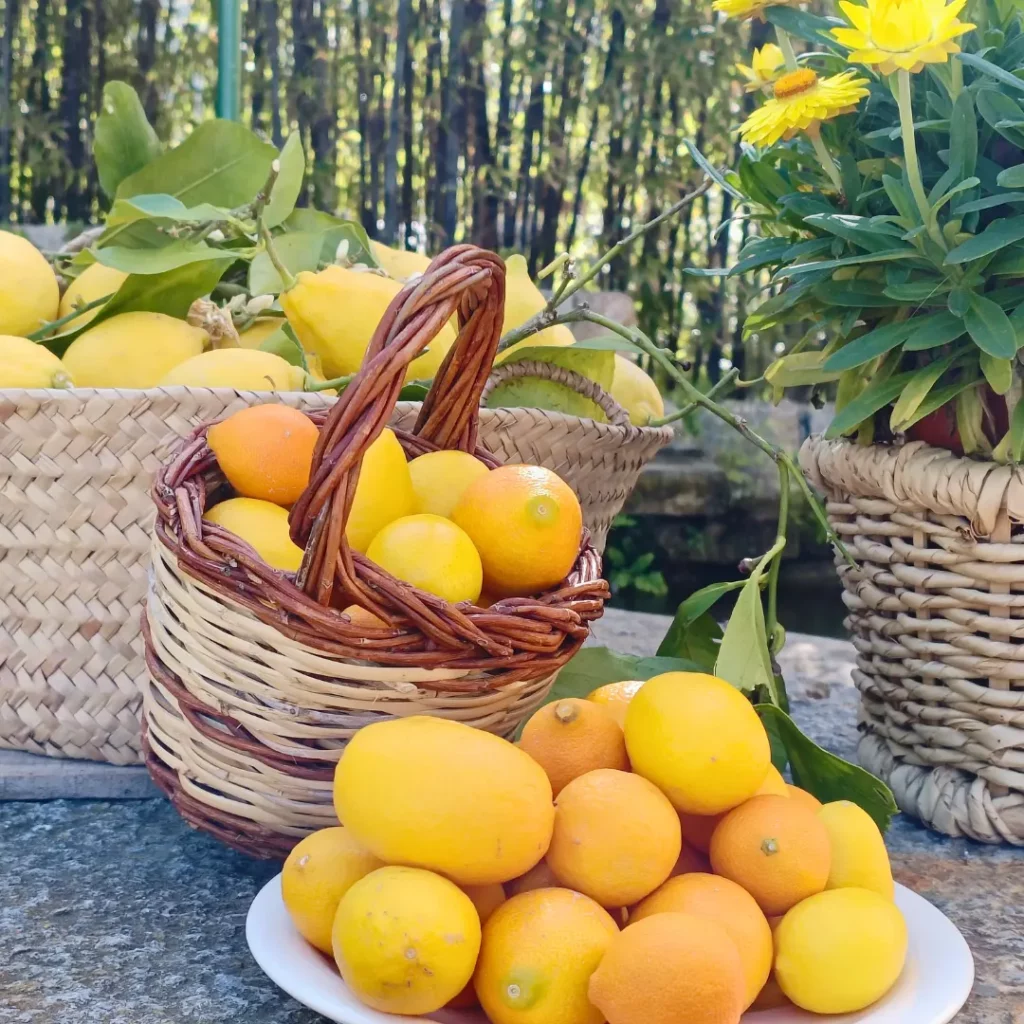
(859, 857)
(334, 313)
(261, 524)
(699, 740)
(317, 873)
(93, 283)
(244, 369)
(383, 494)
(636, 392)
(615, 697)
(523, 299)
(399, 264)
(440, 478)
(406, 940)
(27, 364)
(481, 814)
(29, 295)
(430, 553)
(840, 950)
(538, 953)
(132, 350)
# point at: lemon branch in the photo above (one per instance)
(51, 325)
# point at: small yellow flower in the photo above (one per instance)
(801, 102)
(765, 65)
(901, 34)
(746, 8)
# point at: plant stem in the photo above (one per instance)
(786, 46)
(287, 277)
(720, 388)
(772, 620)
(48, 328)
(326, 385)
(956, 70)
(828, 165)
(910, 158)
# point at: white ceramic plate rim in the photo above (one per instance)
(935, 982)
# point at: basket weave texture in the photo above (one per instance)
(258, 679)
(936, 610)
(75, 534)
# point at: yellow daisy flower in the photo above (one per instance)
(765, 65)
(901, 34)
(800, 103)
(746, 8)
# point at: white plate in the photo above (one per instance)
(934, 984)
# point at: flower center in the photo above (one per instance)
(795, 82)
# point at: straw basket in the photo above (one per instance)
(936, 609)
(257, 680)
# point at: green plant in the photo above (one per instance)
(894, 233)
(628, 565)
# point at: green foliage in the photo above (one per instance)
(124, 139)
(628, 565)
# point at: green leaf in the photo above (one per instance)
(799, 369)
(859, 294)
(827, 776)
(711, 171)
(171, 292)
(283, 343)
(743, 657)
(869, 346)
(1017, 433)
(694, 633)
(316, 221)
(959, 300)
(938, 398)
(998, 373)
(298, 251)
(999, 111)
(900, 198)
(964, 186)
(596, 666)
(934, 330)
(916, 390)
(803, 25)
(1012, 177)
(123, 140)
(285, 193)
(867, 403)
(917, 291)
(607, 343)
(158, 261)
(990, 69)
(222, 163)
(963, 134)
(990, 328)
(163, 207)
(988, 202)
(851, 261)
(861, 231)
(996, 236)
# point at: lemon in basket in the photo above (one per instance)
(317, 873)
(27, 364)
(244, 369)
(406, 940)
(28, 286)
(383, 494)
(439, 479)
(91, 284)
(262, 524)
(442, 795)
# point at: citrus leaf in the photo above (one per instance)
(163, 207)
(283, 343)
(694, 633)
(285, 193)
(595, 666)
(743, 657)
(306, 219)
(826, 775)
(990, 328)
(124, 140)
(159, 261)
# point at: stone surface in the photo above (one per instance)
(33, 777)
(117, 913)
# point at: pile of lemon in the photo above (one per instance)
(635, 859)
(148, 349)
(443, 522)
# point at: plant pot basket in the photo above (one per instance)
(257, 679)
(936, 610)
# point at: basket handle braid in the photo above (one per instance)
(465, 279)
(561, 375)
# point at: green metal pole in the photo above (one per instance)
(229, 53)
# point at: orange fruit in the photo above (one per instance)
(698, 828)
(809, 800)
(571, 737)
(691, 859)
(616, 837)
(265, 451)
(699, 740)
(670, 968)
(540, 876)
(718, 899)
(486, 899)
(616, 697)
(776, 848)
(539, 950)
(526, 523)
(317, 873)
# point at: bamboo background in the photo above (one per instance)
(532, 126)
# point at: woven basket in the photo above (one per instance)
(258, 679)
(936, 609)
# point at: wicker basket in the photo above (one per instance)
(936, 609)
(75, 519)
(258, 680)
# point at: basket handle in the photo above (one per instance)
(561, 375)
(463, 278)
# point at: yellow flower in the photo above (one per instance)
(765, 65)
(801, 102)
(746, 8)
(901, 34)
